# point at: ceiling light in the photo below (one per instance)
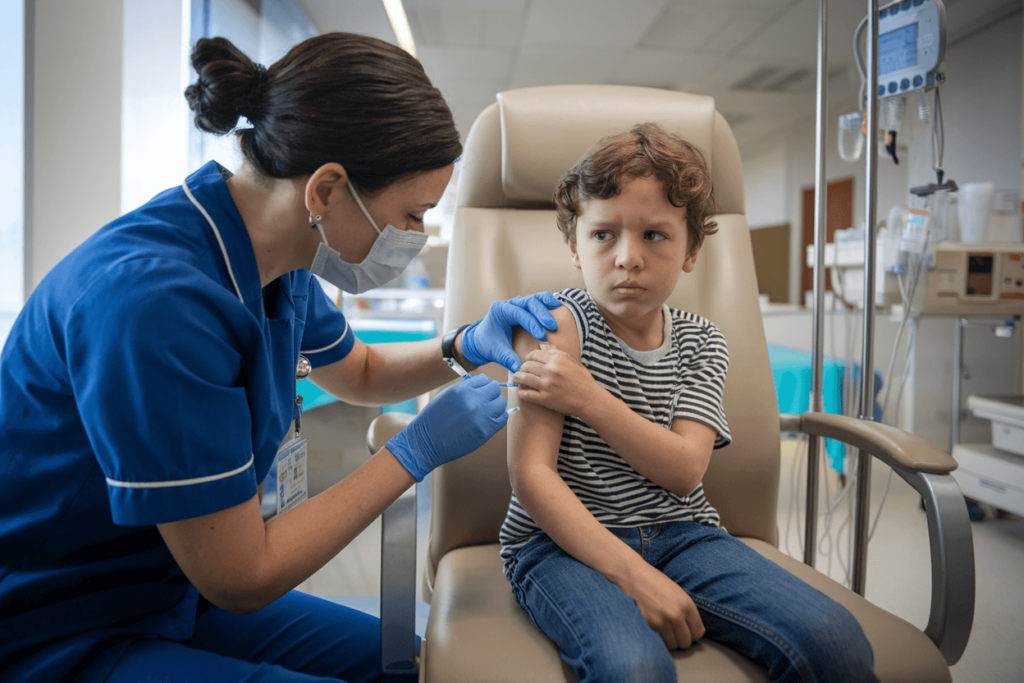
(400, 25)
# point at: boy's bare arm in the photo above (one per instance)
(676, 460)
(534, 436)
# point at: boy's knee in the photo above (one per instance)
(643, 660)
(836, 647)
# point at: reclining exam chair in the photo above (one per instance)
(505, 244)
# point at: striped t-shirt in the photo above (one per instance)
(684, 378)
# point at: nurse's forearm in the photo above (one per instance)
(241, 564)
(388, 373)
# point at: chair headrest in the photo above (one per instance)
(545, 130)
(520, 146)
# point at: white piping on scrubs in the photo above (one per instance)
(330, 346)
(220, 241)
(179, 482)
(231, 273)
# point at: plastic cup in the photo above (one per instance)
(973, 209)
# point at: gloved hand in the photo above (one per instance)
(490, 340)
(455, 422)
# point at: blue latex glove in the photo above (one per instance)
(490, 340)
(456, 422)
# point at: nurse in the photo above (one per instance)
(147, 385)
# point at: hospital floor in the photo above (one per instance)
(898, 580)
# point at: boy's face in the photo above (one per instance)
(632, 247)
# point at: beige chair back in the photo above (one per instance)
(505, 243)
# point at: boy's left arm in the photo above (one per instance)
(676, 460)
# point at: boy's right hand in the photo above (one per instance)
(557, 380)
(666, 607)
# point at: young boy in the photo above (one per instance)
(609, 543)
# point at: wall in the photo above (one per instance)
(72, 127)
(764, 185)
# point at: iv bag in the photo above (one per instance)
(915, 231)
(851, 136)
(891, 113)
(894, 259)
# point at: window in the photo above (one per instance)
(12, 161)
(264, 30)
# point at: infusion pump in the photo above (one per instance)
(968, 278)
(973, 279)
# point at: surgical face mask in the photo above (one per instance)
(393, 250)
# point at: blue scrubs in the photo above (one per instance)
(145, 381)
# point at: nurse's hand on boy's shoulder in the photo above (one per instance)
(489, 340)
(557, 380)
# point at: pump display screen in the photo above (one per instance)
(897, 49)
(979, 274)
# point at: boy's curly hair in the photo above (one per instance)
(645, 150)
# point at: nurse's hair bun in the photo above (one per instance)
(229, 85)
(336, 97)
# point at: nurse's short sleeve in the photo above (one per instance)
(157, 354)
(702, 383)
(327, 336)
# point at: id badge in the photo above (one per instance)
(292, 487)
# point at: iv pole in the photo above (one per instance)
(817, 342)
(867, 369)
(867, 373)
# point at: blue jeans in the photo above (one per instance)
(295, 639)
(746, 602)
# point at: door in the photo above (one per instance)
(838, 216)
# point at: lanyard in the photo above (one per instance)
(302, 370)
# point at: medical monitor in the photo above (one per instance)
(911, 46)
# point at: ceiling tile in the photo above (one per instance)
(426, 25)
(661, 68)
(462, 26)
(502, 28)
(683, 27)
(734, 32)
(608, 23)
(465, 63)
(356, 16)
(488, 5)
(550, 65)
(792, 36)
(964, 17)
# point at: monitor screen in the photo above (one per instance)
(897, 49)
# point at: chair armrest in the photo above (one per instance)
(894, 447)
(789, 422)
(927, 469)
(397, 562)
(384, 427)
